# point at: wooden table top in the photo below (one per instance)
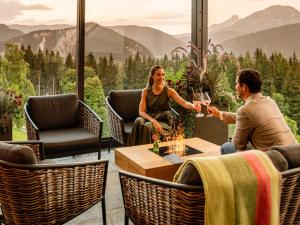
(139, 159)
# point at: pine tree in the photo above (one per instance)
(102, 67)
(69, 63)
(38, 70)
(91, 61)
(262, 65)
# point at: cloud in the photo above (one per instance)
(39, 7)
(11, 9)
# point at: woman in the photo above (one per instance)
(154, 110)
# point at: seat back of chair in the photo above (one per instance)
(54, 111)
(153, 201)
(50, 193)
(290, 197)
(126, 103)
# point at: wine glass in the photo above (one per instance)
(197, 99)
(206, 101)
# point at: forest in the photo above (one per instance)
(46, 73)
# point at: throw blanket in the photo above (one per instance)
(240, 188)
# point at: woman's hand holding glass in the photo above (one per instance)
(197, 99)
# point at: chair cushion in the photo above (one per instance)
(126, 103)
(68, 139)
(291, 153)
(54, 111)
(17, 154)
(278, 160)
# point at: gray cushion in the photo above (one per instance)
(68, 139)
(278, 160)
(291, 153)
(126, 103)
(54, 111)
(17, 154)
(190, 175)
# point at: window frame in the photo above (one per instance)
(199, 36)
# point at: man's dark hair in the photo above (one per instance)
(251, 78)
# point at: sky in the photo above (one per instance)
(171, 16)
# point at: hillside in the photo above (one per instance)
(284, 39)
(8, 33)
(271, 17)
(29, 28)
(100, 40)
(158, 42)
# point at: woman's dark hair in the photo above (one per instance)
(251, 78)
(151, 73)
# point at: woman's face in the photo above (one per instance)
(158, 76)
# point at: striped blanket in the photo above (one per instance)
(240, 189)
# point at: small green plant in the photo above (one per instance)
(10, 103)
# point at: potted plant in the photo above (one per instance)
(209, 73)
(10, 104)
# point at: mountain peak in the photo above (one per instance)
(271, 17)
(7, 33)
(232, 20)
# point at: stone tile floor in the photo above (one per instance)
(113, 196)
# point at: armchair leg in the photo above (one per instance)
(99, 152)
(126, 221)
(103, 211)
(110, 143)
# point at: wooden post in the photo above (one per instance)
(80, 48)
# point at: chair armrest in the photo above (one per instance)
(32, 129)
(176, 117)
(89, 120)
(37, 147)
(116, 123)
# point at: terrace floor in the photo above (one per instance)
(113, 196)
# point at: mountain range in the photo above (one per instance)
(275, 28)
(158, 42)
(271, 17)
(29, 28)
(282, 39)
(7, 33)
(99, 40)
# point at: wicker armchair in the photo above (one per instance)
(123, 109)
(152, 201)
(50, 193)
(63, 123)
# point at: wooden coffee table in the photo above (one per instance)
(140, 160)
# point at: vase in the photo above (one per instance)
(6, 127)
(155, 147)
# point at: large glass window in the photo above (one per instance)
(125, 38)
(36, 39)
(262, 35)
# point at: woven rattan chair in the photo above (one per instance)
(50, 193)
(153, 201)
(123, 109)
(63, 123)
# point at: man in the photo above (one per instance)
(259, 121)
